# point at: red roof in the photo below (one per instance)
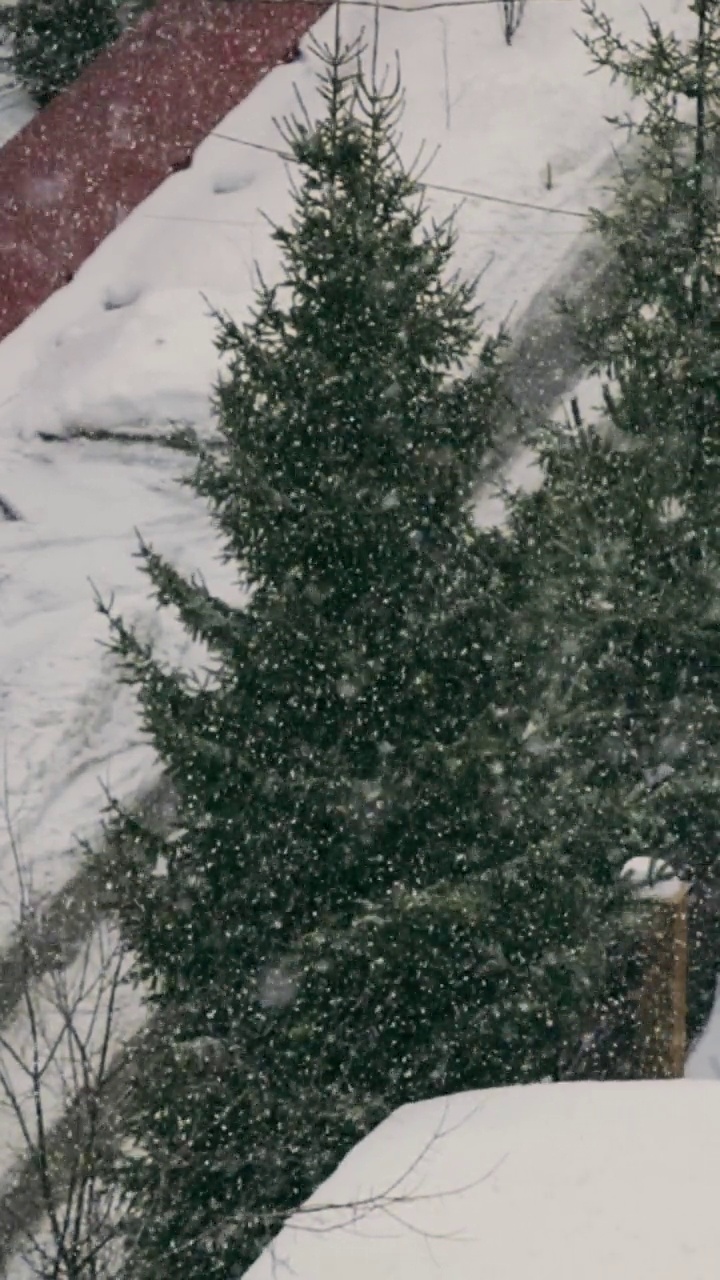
(132, 118)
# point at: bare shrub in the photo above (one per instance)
(59, 1210)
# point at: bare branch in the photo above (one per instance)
(57, 1060)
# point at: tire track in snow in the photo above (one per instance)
(544, 362)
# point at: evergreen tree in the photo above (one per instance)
(623, 535)
(55, 39)
(362, 903)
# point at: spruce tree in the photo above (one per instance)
(623, 535)
(55, 39)
(360, 904)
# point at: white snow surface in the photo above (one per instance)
(653, 879)
(611, 1181)
(703, 1061)
(16, 106)
(128, 345)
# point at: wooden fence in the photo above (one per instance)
(662, 999)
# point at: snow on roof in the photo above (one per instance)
(612, 1181)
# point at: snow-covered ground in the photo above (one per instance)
(16, 106)
(613, 1181)
(129, 345)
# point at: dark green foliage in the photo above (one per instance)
(627, 601)
(622, 539)
(657, 341)
(370, 896)
(55, 39)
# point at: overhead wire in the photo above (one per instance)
(462, 192)
(404, 8)
(466, 193)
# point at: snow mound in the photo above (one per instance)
(554, 1181)
(143, 364)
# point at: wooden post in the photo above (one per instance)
(680, 980)
(662, 1004)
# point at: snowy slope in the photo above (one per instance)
(555, 1182)
(128, 346)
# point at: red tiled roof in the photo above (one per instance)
(135, 115)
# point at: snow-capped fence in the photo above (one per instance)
(662, 996)
(639, 1028)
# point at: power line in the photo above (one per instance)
(430, 186)
(518, 204)
(262, 222)
(403, 8)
